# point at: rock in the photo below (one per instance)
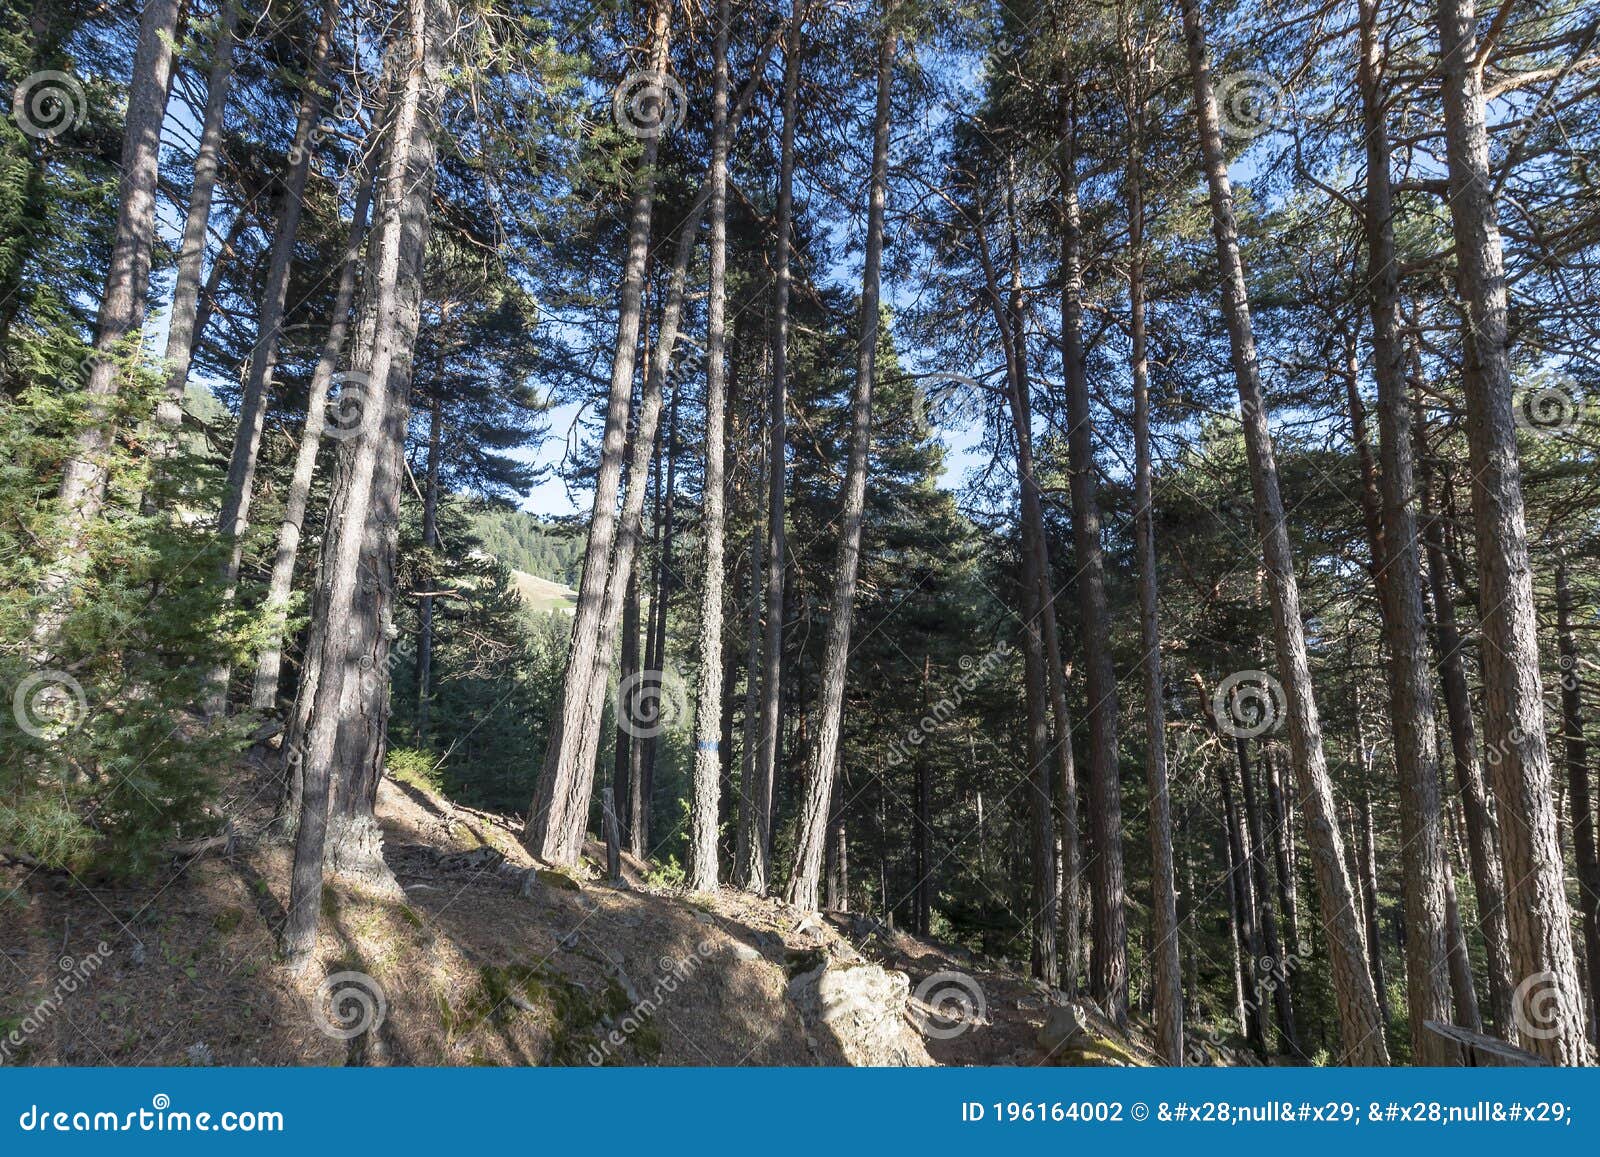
(862, 1007)
(744, 952)
(1077, 1034)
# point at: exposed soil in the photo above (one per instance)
(472, 962)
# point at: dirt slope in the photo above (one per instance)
(479, 957)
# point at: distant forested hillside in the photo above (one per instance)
(525, 542)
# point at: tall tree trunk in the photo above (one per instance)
(1165, 964)
(824, 757)
(755, 873)
(1461, 983)
(625, 750)
(1035, 595)
(1271, 970)
(1244, 901)
(1288, 898)
(430, 543)
(560, 807)
(242, 461)
(393, 281)
(1399, 580)
(181, 332)
(710, 707)
(661, 605)
(1108, 955)
(1483, 834)
(1367, 861)
(122, 309)
(1530, 847)
(1361, 1029)
(1575, 749)
(563, 834)
(264, 693)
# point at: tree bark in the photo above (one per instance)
(1165, 964)
(395, 266)
(1361, 1029)
(1272, 969)
(122, 309)
(1244, 900)
(1399, 581)
(1575, 750)
(1530, 847)
(280, 587)
(705, 794)
(242, 461)
(181, 332)
(1288, 897)
(559, 811)
(756, 869)
(1108, 954)
(1483, 834)
(814, 812)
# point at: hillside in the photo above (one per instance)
(543, 595)
(526, 543)
(481, 956)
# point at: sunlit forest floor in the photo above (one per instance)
(477, 955)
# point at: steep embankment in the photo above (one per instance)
(480, 956)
